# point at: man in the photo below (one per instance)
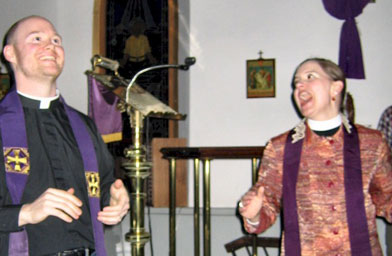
(385, 126)
(331, 177)
(56, 177)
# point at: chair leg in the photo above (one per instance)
(247, 249)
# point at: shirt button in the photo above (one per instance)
(328, 162)
(333, 208)
(331, 142)
(335, 231)
(330, 184)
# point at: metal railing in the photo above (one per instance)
(204, 155)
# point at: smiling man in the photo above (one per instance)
(56, 177)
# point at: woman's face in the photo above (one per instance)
(315, 92)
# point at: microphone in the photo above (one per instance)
(106, 63)
(189, 61)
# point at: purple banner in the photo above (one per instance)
(103, 110)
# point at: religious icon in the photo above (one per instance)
(137, 50)
(260, 78)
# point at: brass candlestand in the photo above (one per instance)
(137, 166)
(138, 104)
(137, 169)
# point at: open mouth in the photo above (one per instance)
(304, 98)
(47, 58)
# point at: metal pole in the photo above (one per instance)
(196, 208)
(172, 207)
(207, 208)
(137, 168)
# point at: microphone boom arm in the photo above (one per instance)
(188, 62)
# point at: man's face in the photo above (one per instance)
(36, 50)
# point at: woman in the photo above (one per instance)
(330, 177)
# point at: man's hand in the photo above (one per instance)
(119, 204)
(53, 202)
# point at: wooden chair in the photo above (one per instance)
(252, 241)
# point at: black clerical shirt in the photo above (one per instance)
(55, 162)
(327, 133)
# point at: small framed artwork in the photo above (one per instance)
(260, 78)
(4, 84)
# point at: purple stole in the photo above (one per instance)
(355, 203)
(17, 165)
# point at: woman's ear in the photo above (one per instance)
(336, 88)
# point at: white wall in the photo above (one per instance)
(75, 23)
(184, 76)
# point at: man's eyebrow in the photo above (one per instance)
(39, 32)
(32, 33)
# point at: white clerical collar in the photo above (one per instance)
(44, 102)
(325, 125)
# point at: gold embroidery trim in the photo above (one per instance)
(93, 182)
(17, 160)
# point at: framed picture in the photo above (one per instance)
(4, 84)
(260, 78)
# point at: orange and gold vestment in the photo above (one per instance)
(320, 190)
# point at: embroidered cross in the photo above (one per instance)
(17, 160)
(93, 184)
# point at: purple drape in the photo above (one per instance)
(103, 110)
(350, 53)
